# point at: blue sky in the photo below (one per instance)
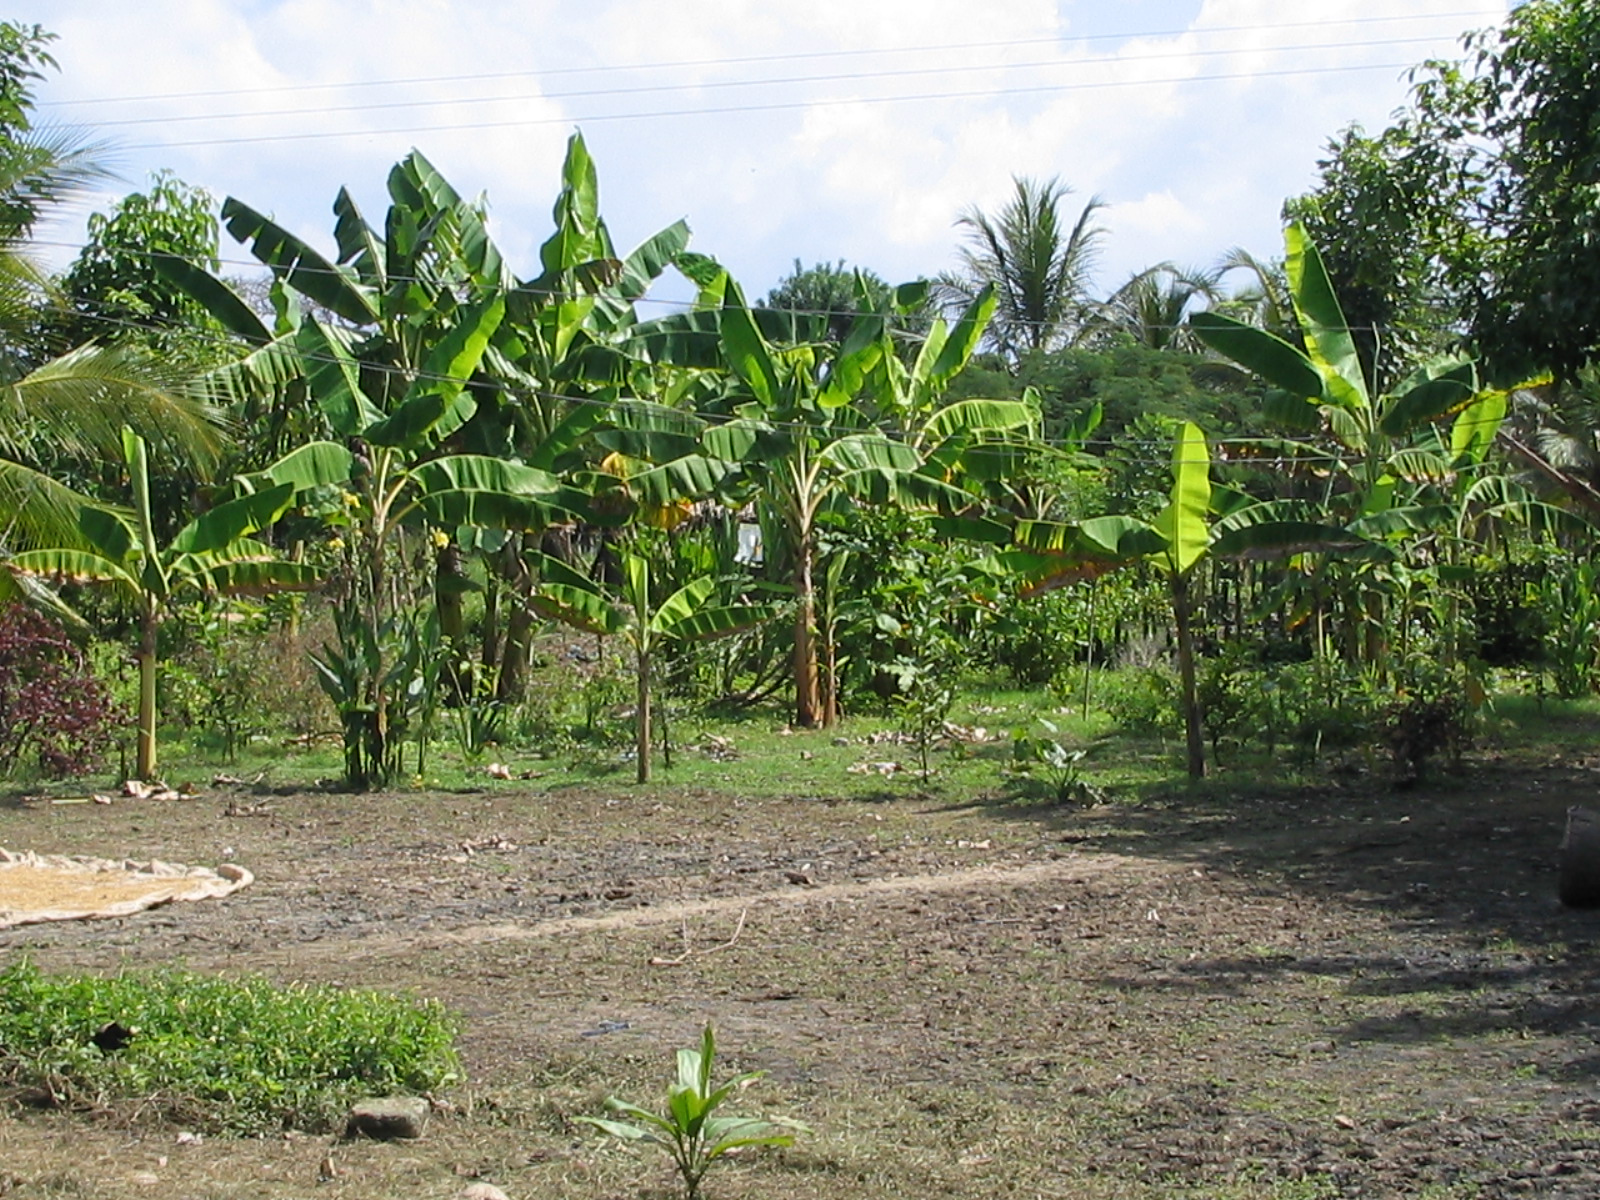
(826, 130)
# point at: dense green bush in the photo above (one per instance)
(1569, 611)
(214, 663)
(1143, 699)
(244, 1055)
(1428, 712)
(1418, 712)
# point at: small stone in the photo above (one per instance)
(481, 1191)
(144, 1179)
(387, 1119)
(841, 741)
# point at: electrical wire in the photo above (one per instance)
(781, 81)
(779, 106)
(303, 268)
(1054, 39)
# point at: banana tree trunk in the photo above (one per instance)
(1181, 618)
(450, 584)
(641, 722)
(145, 765)
(512, 685)
(809, 712)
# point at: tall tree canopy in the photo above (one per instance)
(63, 407)
(1482, 200)
(1038, 263)
(113, 292)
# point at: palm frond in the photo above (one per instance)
(37, 512)
(1040, 270)
(79, 402)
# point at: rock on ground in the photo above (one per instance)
(387, 1119)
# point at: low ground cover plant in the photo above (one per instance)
(236, 1055)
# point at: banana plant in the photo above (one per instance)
(1407, 476)
(429, 345)
(693, 1131)
(214, 554)
(1200, 521)
(387, 486)
(802, 438)
(692, 613)
(447, 394)
(1324, 386)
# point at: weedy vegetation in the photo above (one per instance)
(244, 1055)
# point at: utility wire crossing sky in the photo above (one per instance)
(826, 131)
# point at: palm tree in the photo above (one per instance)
(60, 411)
(1039, 266)
(1152, 305)
(1264, 300)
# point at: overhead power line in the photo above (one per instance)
(596, 118)
(779, 81)
(799, 56)
(1090, 307)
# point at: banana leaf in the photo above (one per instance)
(298, 264)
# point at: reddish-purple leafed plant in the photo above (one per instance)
(52, 707)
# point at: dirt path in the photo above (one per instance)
(1343, 993)
(796, 895)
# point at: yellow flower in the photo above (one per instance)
(351, 500)
(441, 539)
(336, 543)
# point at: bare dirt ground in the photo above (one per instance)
(1338, 991)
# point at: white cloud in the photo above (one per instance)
(1189, 166)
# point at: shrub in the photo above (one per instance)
(1312, 706)
(216, 668)
(243, 1056)
(1429, 712)
(52, 707)
(1143, 699)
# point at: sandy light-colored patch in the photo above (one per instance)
(54, 887)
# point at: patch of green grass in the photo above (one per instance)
(753, 752)
(244, 1056)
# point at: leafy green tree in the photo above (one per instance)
(1382, 222)
(832, 291)
(1523, 130)
(1480, 197)
(1038, 264)
(113, 291)
(62, 411)
(1125, 380)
